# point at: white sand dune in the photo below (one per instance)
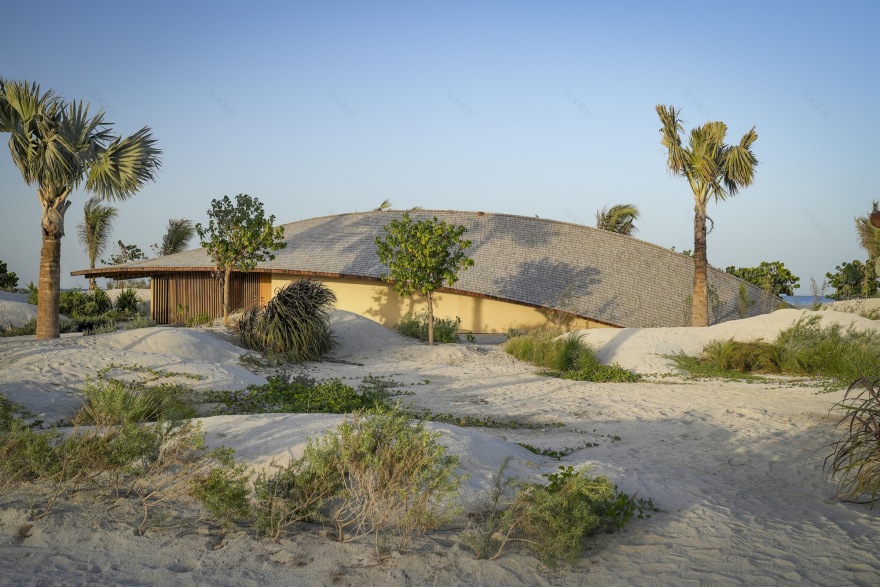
(735, 467)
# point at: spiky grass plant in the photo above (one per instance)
(294, 325)
(855, 458)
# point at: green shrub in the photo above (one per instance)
(565, 356)
(224, 489)
(140, 321)
(378, 475)
(855, 458)
(127, 301)
(76, 303)
(111, 402)
(806, 348)
(416, 326)
(294, 325)
(11, 413)
(553, 519)
(32, 293)
(300, 395)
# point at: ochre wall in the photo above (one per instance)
(379, 302)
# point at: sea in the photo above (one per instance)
(804, 301)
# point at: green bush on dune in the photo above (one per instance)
(565, 356)
(806, 348)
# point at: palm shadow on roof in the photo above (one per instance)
(549, 283)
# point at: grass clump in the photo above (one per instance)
(294, 325)
(565, 356)
(805, 349)
(552, 519)
(378, 475)
(416, 326)
(139, 321)
(855, 458)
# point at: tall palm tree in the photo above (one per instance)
(177, 236)
(94, 231)
(869, 237)
(58, 147)
(619, 218)
(714, 170)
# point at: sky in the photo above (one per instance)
(528, 108)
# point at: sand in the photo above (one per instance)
(735, 467)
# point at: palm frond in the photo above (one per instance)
(669, 137)
(869, 235)
(619, 218)
(385, 205)
(177, 236)
(124, 166)
(96, 227)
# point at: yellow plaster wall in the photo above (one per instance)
(379, 302)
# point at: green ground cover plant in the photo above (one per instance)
(416, 326)
(565, 356)
(855, 458)
(804, 349)
(294, 326)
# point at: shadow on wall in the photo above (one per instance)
(388, 308)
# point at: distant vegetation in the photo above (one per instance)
(772, 277)
(619, 218)
(8, 279)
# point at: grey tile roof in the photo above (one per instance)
(614, 279)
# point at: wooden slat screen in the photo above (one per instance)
(177, 297)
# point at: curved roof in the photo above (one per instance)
(596, 274)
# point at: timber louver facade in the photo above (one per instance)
(179, 296)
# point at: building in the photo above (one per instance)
(527, 272)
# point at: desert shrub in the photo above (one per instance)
(32, 293)
(224, 489)
(855, 458)
(416, 326)
(300, 395)
(11, 413)
(127, 301)
(111, 402)
(294, 325)
(139, 321)
(30, 327)
(553, 518)
(565, 356)
(378, 475)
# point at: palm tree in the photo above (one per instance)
(385, 205)
(58, 147)
(869, 237)
(94, 231)
(177, 236)
(619, 218)
(714, 170)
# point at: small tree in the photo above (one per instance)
(852, 280)
(8, 279)
(423, 256)
(238, 237)
(771, 277)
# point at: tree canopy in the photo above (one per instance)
(8, 279)
(238, 237)
(176, 238)
(422, 257)
(853, 280)
(772, 277)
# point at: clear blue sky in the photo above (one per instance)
(531, 108)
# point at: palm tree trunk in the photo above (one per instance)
(700, 295)
(430, 319)
(48, 294)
